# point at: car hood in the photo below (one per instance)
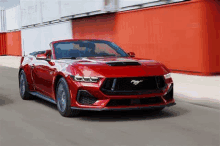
(116, 67)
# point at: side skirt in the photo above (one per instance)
(43, 97)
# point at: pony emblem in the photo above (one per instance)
(136, 82)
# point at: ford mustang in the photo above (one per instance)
(94, 75)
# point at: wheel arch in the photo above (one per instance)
(57, 78)
(19, 72)
(20, 69)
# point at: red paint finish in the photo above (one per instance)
(42, 75)
(2, 43)
(183, 36)
(14, 43)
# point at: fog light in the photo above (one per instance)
(85, 98)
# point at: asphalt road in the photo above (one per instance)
(38, 123)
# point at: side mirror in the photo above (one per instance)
(131, 54)
(48, 53)
(41, 57)
(46, 56)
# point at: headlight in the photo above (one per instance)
(167, 76)
(85, 79)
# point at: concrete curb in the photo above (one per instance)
(207, 102)
(10, 61)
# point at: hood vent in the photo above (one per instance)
(123, 63)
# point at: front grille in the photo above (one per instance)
(160, 81)
(130, 102)
(108, 84)
(85, 98)
(133, 85)
(124, 84)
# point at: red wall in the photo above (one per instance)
(10, 43)
(212, 24)
(96, 27)
(184, 36)
(2, 43)
(13, 44)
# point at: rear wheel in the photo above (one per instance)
(23, 87)
(63, 99)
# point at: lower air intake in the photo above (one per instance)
(130, 102)
(169, 95)
(85, 98)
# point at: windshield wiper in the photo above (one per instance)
(68, 58)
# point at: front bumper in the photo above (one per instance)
(124, 108)
(102, 101)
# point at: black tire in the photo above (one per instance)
(63, 99)
(23, 87)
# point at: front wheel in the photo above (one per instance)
(23, 87)
(63, 99)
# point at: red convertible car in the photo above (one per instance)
(94, 75)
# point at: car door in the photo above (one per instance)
(43, 74)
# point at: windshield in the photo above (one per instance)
(93, 48)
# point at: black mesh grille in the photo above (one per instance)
(85, 98)
(123, 63)
(119, 102)
(129, 102)
(108, 84)
(160, 81)
(148, 83)
(152, 100)
(135, 83)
